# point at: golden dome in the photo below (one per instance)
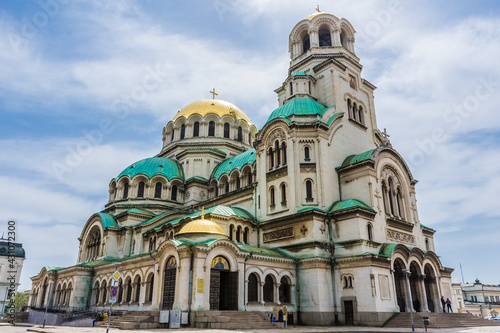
(310, 17)
(216, 106)
(202, 226)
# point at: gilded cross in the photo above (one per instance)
(202, 212)
(214, 93)
(317, 9)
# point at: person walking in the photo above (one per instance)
(448, 304)
(443, 302)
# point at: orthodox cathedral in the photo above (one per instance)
(315, 210)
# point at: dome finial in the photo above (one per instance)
(214, 93)
(317, 9)
(202, 213)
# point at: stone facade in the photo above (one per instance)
(318, 212)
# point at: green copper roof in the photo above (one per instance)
(154, 166)
(426, 227)
(262, 251)
(353, 159)
(235, 162)
(207, 148)
(51, 268)
(216, 210)
(5, 251)
(108, 220)
(339, 206)
(197, 178)
(298, 106)
(300, 74)
(309, 209)
(137, 211)
(332, 118)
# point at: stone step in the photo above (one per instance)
(438, 320)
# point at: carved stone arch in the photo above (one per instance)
(334, 128)
(194, 118)
(277, 134)
(226, 249)
(287, 274)
(298, 32)
(212, 117)
(169, 127)
(320, 21)
(431, 257)
(418, 263)
(347, 27)
(164, 249)
(179, 122)
(257, 271)
(95, 219)
(271, 271)
(400, 252)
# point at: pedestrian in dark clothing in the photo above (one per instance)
(444, 303)
(448, 304)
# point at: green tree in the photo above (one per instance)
(21, 299)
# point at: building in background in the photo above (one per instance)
(315, 210)
(482, 300)
(12, 257)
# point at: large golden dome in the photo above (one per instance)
(202, 226)
(216, 106)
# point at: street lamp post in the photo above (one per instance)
(407, 271)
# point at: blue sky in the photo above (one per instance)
(68, 70)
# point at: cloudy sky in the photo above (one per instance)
(86, 87)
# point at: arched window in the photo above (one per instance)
(93, 244)
(284, 290)
(211, 128)
(343, 39)
(245, 235)
(309, 196)
(272, 196)
(249, 138)
(283, 193)
(140, 190)
(391, 199)
(158, 190)
(306, 43)
(291, 88)
(278, 155)
(196, 129)
(231, 230)
(309, 87)
(238, 183)
(360, 114)
(325, 38)
(240, 134)
(125, 190)
(172, 135)
(226, 130)
(399, 199)
(183, 131)
(271, 158)
(427, 244)
(306, 154)
(128, 284)
(369, 229)
(354, 111)
(269, 289)
(283, 151)
(349, 108)
(238, 234)
(226, 186)
(250, 180)
(173, 195)
(253, 288)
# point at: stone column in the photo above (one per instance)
(277, 293)
(421, 284)
(261, 293)
(336, 37)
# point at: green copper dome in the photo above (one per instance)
(154, 166)
(235, 162)
(300, 107)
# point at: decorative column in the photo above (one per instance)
(421, 285)
(277, 293)
(336, 37)
(261, 293)
(313, 38)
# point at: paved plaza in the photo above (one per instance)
(6, 328)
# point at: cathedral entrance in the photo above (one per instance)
(169, 284)
(415, 278)
(431, 288)
(223, 286)
(399, 280)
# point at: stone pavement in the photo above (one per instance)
(6, 328)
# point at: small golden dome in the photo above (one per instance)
(216, 106)
(202, 226)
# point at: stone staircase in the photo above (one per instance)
(234, 320)
(438, 320)
(133, 320)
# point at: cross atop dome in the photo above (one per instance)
(214, 93)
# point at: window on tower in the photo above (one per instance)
(196, 129)
(306, 43)
(183, 131)
(325, 38)
(226, 130)
(240, 134)
(211, 128)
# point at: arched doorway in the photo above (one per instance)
(431, 288)
(399, 281)
(415, 278)
(223, 285)
(169, 283)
